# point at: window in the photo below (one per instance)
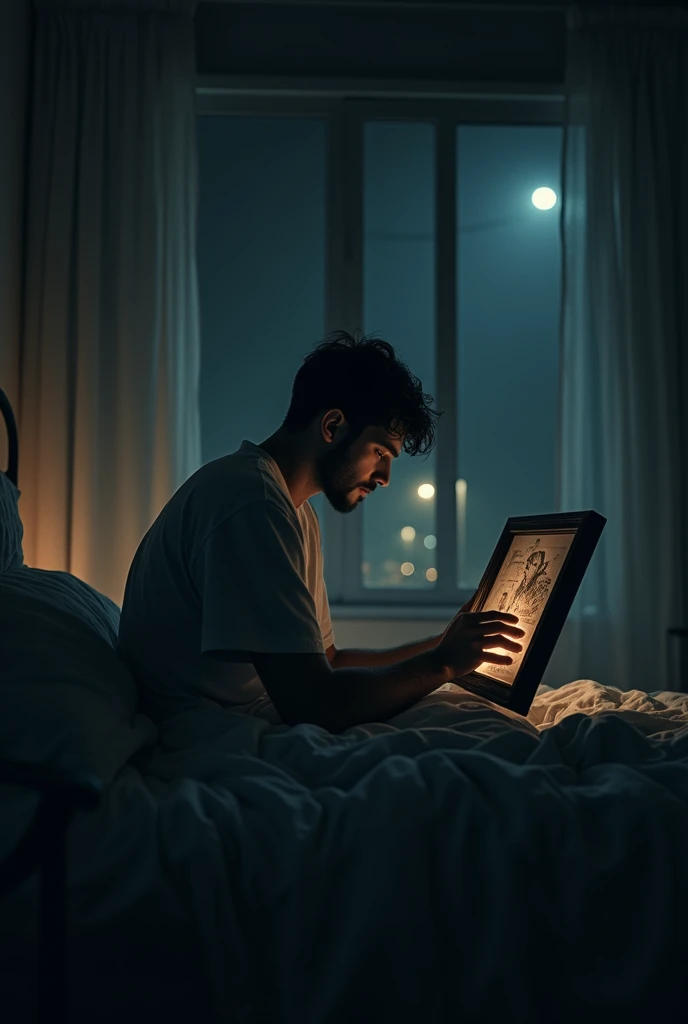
(261, 270)
(399, 305)
(418, 221)
(508, 270)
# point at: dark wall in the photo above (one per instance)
(384, 41)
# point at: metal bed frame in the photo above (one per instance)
(43, 847)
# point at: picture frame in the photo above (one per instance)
(535, 571)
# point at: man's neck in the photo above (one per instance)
(294, 463)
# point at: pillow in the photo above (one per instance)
(65, 697)
(11, 529)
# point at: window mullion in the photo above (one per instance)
(352, 549)
(334, 315)
(446, 357)
(344, 542)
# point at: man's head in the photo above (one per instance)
(362, 406)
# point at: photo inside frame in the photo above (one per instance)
(522, 587)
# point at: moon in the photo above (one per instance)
(544, 198)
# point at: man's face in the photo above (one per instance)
(352, 468)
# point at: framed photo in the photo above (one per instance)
(534, 573)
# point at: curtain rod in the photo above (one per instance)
(443, 5)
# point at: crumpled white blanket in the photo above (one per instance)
(457, 863)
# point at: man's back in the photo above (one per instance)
(230, 566)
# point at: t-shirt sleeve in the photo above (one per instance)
(322, 604)
(325, 620)
(250, 576)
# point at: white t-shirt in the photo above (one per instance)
(230, 565)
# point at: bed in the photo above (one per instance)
(456, 863)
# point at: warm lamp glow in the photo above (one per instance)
(426, 491)
(431, 575)
(407, 568)
(407, 533)
(544, 198)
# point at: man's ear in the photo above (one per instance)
(331, 424)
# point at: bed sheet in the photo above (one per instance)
(458, 862)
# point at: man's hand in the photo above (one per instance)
(462, 611)
(469, 637)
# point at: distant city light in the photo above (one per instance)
(408, 533)
(544, 198)
(431, 575)
(430, 542)
(426, 491)
(407, 568)
(461, 499)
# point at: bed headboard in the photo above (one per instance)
(12, 440)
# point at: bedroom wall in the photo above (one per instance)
(382, 40)
(14, 71)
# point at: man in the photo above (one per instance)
(225, 604)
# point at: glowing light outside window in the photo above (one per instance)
(544, 198)
(426, 491)
(407, 568)
(461, 498)
(408, 533)
(430, 542)
(431, 575)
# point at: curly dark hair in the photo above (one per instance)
(365, 378)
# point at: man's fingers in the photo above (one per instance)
(490, 616)
(497, 659)
(501, 627)
(501, 641)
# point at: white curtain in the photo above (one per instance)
(108, 416)
(624, 347)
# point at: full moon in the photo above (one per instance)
(544, 198)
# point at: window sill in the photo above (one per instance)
(392, 611)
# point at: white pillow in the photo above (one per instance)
(65, 696)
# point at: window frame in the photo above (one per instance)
(346, 107)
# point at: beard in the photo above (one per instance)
(337, 478)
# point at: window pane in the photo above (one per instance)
(399, 306)
(261, 265)
(508, 322)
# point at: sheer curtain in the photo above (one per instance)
(624, 348)
(108, 413)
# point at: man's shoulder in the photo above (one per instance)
(224, 487)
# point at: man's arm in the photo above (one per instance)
(379, 659)
(305, 687)
(391, 656)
